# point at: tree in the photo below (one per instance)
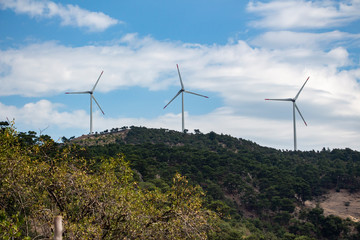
(332, 227)
(212, 135)
(97, 199)
(3, 125)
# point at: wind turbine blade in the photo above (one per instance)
(173, 98)
(297, 95)
(98, 104)
(77, 92)
(279, 99)
(196, 94)
(182, 85)
(300, 114)
(97, 82)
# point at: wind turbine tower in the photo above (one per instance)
(181, 91)
(293, 100)
(91, 94)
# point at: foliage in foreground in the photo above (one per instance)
(98, 200)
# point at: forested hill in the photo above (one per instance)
(241, 179)
(141, 135)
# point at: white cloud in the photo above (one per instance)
(42, 113)
(301, 14)
(304, 40)
(33, 8)
(70, 15)
(237, 72)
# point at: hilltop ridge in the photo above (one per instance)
(141, 135)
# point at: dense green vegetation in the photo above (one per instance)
(252, 187)
(141, 183)
(40, 179)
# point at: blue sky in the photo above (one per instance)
(236, 52)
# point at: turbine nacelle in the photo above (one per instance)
(85, 92)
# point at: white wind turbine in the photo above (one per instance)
(293, 100)
(91, 92)
(182, 90)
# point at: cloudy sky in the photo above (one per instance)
(236, 52)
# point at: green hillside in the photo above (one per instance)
(139, 183)
(262, 188)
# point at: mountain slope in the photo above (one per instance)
(241, 178)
